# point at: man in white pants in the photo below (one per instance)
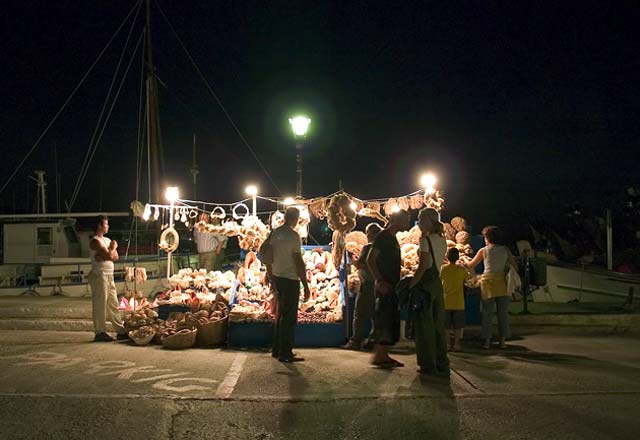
(103, 252)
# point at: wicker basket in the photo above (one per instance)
(181, 340)
(212, 333)
(141, 340)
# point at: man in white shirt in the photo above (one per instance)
(104, 298)
(285, 273)
(222, 246)
(207, 246)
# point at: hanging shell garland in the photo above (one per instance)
(459, 224)
(319, 208)
(354, 242)
(390, 206)
(341, 216)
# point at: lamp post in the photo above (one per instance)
(300, 126)
(172, 194)
(252, 190)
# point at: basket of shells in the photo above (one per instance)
(181, 339)
(143, 335)
(212, 325)
(140, 318)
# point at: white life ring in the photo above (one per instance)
(221, 213)
(236, 215)
(277, 219)
(165, 245)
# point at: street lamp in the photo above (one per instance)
(428, 182)
(300, 126)
(252, 190)
(172, 194)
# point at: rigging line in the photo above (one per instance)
(140, 119)
(199, 202)
(113, 103)
(201, 123)
(142, 150)
(85, 163)
(35, 145)
(314, 238)
(142, 111)
(217, 99)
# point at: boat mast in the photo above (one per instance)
(194, 170)
(41, 194)
(155, 163)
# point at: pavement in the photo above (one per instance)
(550, 385)
(74, 314)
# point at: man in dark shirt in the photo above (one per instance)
(366, 300)
(384, 261)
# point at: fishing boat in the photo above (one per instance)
(45, 253)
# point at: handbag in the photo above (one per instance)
(419, 297)
(265, 253)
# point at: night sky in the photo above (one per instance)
(519, 107)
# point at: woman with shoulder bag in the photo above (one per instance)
(427, 297)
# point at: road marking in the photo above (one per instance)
(225, 389)
(122, 370)
(471, 384)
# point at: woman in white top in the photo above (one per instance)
(428, 300)
(497, 259)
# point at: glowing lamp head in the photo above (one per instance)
(172, 193)
(300, 125)
(289, 201)
(428, 180)
(251, 190)
(395, 209)
(353, 205)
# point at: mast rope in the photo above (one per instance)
(106, 121)
(218, 101)
(55, 118)
(87, 158)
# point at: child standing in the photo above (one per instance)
(453, 277)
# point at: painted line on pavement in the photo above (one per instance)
(471, 384)
(228, 384)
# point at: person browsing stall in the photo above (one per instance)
(431, 345)
(222, 246)
(286, 271)
(453, 279)
(497, 259)
(365, 301)
(207, 245)
(104, 297)
(384, 261)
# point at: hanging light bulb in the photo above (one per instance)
(147, 212)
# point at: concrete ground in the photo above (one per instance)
(74, 314)
(552, 386)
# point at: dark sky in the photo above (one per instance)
(519, 107)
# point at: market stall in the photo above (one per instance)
(323, 320)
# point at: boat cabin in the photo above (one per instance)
(38, 242)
